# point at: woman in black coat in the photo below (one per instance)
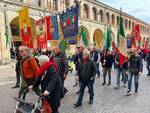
(50, 82)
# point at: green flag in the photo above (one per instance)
(84, 40)
(108, 38)
(6, 30)
(63, 45)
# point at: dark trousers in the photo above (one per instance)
(62, 86)
(17, 78)
(97, 69)
(24, 85)
(83, 85)
(105, 71)
(148, 68)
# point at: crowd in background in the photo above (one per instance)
(51, 67)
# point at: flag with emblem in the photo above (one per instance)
(52, 27)
(25, 27)
(122, 43)
(41, 33)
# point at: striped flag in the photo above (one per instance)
(122, 43)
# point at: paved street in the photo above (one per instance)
(107, 100)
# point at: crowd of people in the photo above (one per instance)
(50, 69)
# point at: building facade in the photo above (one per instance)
(94, 16)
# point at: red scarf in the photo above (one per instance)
(85, 60)
(45, 66)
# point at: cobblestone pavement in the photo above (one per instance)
(107, 99)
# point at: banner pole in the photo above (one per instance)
(1, 50)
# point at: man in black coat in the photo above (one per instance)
(86, 73)
(60, 59)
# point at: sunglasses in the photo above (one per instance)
(20, 51)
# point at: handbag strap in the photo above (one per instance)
(43, 75)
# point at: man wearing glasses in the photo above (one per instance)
(29, 68)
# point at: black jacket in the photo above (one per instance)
(87, 71)
(62, 62)
(107, 61)
(135, 62)
(51, 83)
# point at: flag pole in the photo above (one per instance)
(1, 62)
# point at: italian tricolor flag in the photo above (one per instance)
(122, 43)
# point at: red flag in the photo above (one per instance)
(146, 45)
(48, 24)
(25, 27)
(41, 33)
(136, 33)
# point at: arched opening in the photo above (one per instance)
(85, 11)
(118, 20)
(108, 18)
(94, 13)
(15, 30)
(55, 4)
(126, 23)
(79, 35)
(79, 13)
(101, 17)
(98, 38)
(132, 25)
(129, 24)
(112, 19)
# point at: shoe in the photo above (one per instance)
(77, 92)
(109, 84)
(116, 87)
(124, 85)
(98, 75)
(75, 85)
(77, 105)
(17, 86)
(128, 93)
(148, 74)
(65, 91)
(135, 92)
(90, 102)
(103, 83)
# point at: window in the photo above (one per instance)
(101, 16)
(108, 18)
(126, 23)
(55, 5)
(85, 12)
(118, 20)
(112, 19)
(94, 14)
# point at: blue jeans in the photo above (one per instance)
(148, 68)
(118, 73)
(97, 69)
(136, 81)
(83, 85)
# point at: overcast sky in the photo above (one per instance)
(137, 8)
